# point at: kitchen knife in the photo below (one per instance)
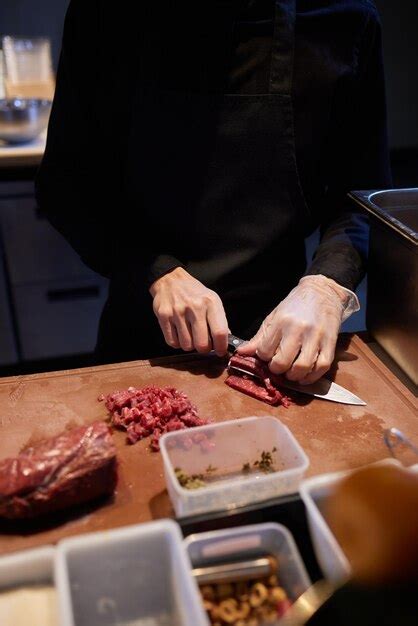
(323, 388)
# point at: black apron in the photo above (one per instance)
(215, 178)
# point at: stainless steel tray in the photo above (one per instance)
(392, 296)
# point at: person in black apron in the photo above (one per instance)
(208, 233)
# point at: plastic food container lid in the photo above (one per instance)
(219, 452)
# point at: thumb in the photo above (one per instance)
(250, 347)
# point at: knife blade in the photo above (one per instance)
(323, 388)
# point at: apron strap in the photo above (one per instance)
(282, 57)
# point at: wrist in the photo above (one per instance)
(177, 273)
(348, 299)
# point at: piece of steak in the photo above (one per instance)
(151, 412)
(75, 467)
(263, 387)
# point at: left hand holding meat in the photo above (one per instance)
(299, 336)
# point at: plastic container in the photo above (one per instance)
(314, 492)
(251, 542)
(226, 447)
(134, 576)
(30, 567)
(331, 558)
(27, 569)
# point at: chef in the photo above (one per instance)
(193, 146)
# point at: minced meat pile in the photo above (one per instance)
(151, 412)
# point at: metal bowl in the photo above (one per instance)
(22, 119)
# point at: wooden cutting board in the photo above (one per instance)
(334, 436)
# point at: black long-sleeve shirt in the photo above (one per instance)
(339, 116)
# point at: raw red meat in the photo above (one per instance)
(151, 411)
(73, 468)
(263, 387)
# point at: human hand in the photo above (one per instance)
(299, 336)
(190, 315)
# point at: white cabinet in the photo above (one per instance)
(35, 251)
(59, 317)
(54, 298)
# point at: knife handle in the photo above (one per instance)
(234, 342)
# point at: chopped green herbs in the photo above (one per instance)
(264, 463)
(196, 481)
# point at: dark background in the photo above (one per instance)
(400, 30)
(400, 39)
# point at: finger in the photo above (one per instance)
(200, 332)
(184, 333)
(170, 335)
(251, 347)
(304, 363)
(270, 336)
(286, 354)
(168, 330)
(322, 365)
(218, 327)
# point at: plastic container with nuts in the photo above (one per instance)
(255, 601)
(224, 461)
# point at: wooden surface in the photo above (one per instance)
(22, 155)
(334, 436)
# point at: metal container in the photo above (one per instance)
(392, 296)
(22, 120)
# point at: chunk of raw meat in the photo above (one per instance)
(263, 387)
(151, 412)
(75, 467)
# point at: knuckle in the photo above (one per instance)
(196, 304)
(286, 319)
(278, 366)
(325, 356)
(213, 297)
(203, 348)
(264, 355)
(297, 372)
(324, 362)
(179, 310)
(303, 365)
(306, 326)
(207, 299)
(164, 314)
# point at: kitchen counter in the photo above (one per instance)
(334, 436)
(22, 155)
